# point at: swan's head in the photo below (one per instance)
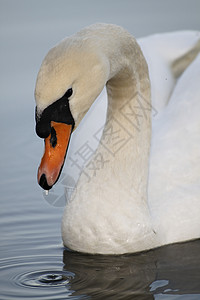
(71, 77)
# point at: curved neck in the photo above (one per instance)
(125, 141)
(123, 153)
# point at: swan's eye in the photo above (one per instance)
(68, 93)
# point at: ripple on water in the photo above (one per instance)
(44, 278)
(35, 276)
(168, 272)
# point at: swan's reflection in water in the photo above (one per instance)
(170, 270)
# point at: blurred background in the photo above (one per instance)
(28, 28)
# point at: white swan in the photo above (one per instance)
(130, 197)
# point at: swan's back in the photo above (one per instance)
(161, 51)
(174, 185)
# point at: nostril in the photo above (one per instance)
(53, 139)
(43, 183)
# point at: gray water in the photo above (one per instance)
(33, 262)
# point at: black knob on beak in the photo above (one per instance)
(43, 183)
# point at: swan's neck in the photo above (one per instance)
(124, 146)
(126, 137)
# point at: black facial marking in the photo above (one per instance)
(53, 139)
(58, 111)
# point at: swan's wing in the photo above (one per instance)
(174, 185)
(160, 51)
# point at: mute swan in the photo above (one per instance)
(145, 191)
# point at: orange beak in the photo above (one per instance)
(56, 145)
